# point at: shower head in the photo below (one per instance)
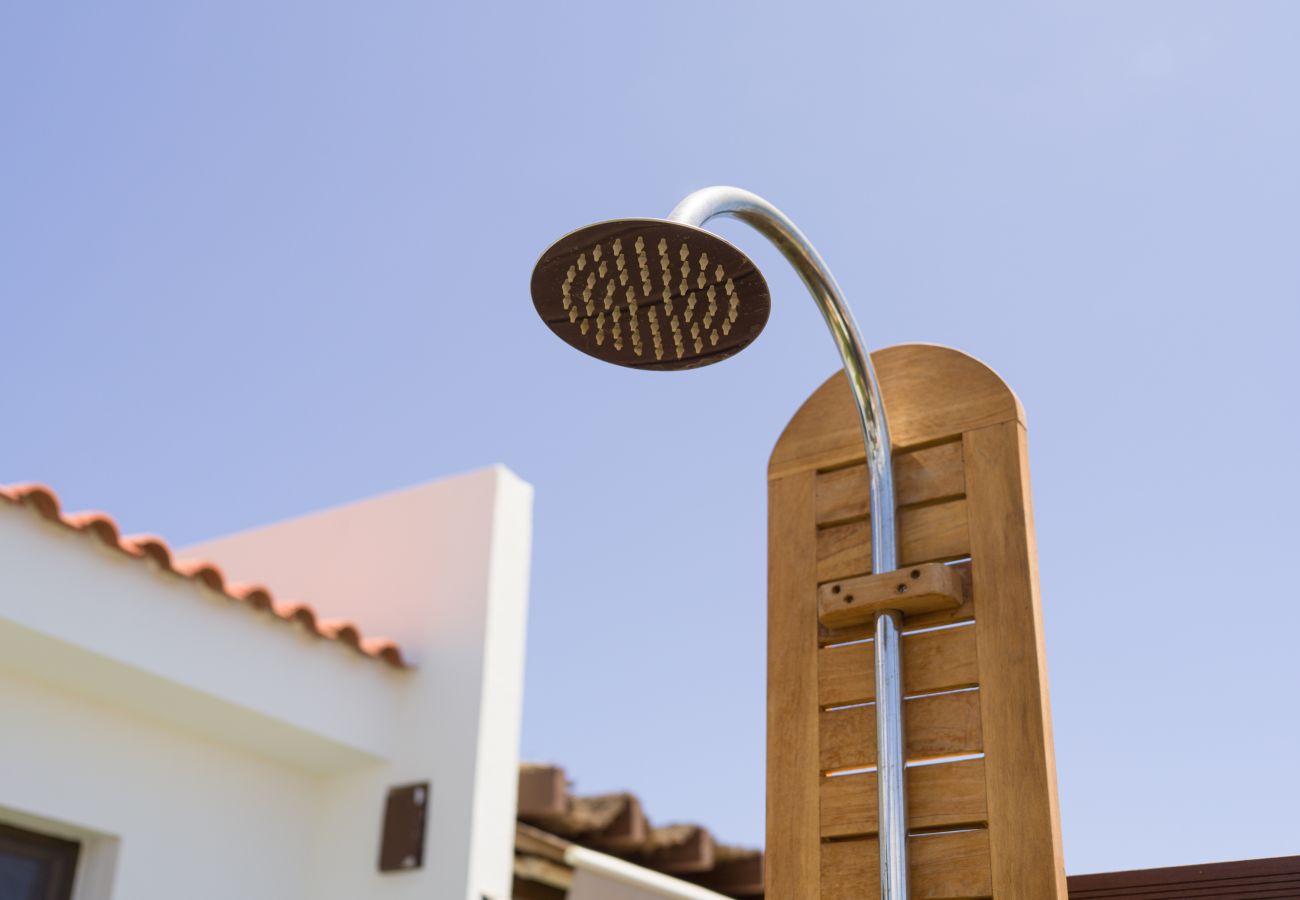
(650, 294)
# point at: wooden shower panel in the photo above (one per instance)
(982, 810)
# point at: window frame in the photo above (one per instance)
(58, 854)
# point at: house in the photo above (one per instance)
(327, 708)
(196, 733)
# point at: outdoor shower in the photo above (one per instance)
(666, 294)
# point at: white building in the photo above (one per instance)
(326, 708)
(201, 738)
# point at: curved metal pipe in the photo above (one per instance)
(752, 209)
(700, 207)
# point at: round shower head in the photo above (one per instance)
(650, 294)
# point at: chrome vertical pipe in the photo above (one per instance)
(698, 208)
(891, 797)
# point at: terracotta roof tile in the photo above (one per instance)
(149, 547)
(615, 824)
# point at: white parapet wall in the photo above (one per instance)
(199, 748)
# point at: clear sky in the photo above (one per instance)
(261, 258)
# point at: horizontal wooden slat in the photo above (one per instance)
(919, 477)
(951, 866)
(940, 795)
(925, 534)
(937, 725)
(932, 661)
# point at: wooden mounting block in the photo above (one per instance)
(982, 809)
(929, 587)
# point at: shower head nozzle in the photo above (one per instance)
(650, 294)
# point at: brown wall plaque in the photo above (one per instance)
(401, 847)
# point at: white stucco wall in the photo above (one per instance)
(168, 813)
(206, 750)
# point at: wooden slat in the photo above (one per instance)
(951, 866)
(793, 778)
(627, 832)
(921, 476)
(543, 792)
(932, 661)
(941, 795)
(937, 725)
(739, 876)
(677, 854)
(931, 394)
(1027, 861)
(537, 842)
(925, 533)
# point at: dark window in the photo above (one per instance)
(35, 866)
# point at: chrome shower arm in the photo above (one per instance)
(698, 208)
(710, 202)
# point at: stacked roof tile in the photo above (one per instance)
(617, 825)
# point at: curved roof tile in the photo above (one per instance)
(616, 824)
(150, 547)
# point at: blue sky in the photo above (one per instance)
(258, 259)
